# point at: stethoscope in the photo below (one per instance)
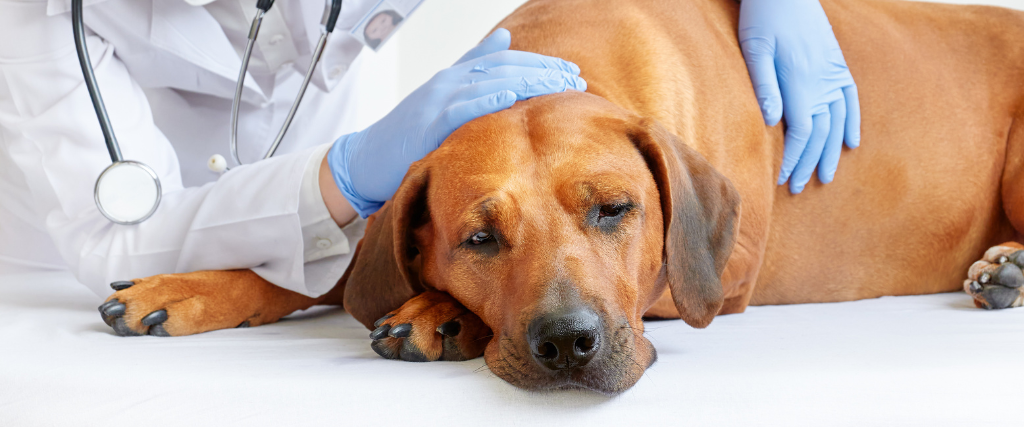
(128, 192)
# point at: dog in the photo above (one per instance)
(541, 236)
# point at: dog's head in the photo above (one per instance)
(559, 222)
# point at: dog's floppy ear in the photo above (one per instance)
(700, 208)
(381, 276)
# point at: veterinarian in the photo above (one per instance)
(168, 68)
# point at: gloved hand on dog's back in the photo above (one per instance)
(798, 70)
(368, 166)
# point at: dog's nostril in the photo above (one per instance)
(566, 339)
(547, 351)
(584, 344)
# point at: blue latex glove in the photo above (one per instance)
(798, 69)
(369, 165)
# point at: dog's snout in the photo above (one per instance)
(565, 340)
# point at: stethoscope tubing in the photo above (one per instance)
(254, 30)
(90, 82)
(329, 20)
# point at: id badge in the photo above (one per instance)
(383, 21)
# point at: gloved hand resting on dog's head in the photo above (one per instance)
(368, 166)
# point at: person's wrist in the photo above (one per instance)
(339, 159)
(338, 206)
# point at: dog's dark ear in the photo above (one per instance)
(701, 209)
(381, 276)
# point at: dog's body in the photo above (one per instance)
(600, 208)
(941, 89)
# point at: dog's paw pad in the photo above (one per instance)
(431, 326)
(995, 282)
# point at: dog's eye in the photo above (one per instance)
(608, 217)
(482, 243)
(480, 238)
(611, 211)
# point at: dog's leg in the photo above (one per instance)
(995, 280)
(190, 303)
(430, 326)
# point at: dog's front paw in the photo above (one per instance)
(182, 304)
(430, 326)
(995, 281)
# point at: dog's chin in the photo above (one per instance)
(615, 369)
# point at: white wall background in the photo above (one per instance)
(437, 34)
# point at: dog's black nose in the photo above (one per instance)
(566, 339)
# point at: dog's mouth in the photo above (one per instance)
(620, 362)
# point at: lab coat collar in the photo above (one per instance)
(193, 34)
(57, 7)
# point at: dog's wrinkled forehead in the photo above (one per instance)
(533, 139)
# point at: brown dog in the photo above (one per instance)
(541, 235)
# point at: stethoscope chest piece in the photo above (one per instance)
(127, 192)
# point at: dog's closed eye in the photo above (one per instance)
(480, 238)
(607, 217)
(483, 242)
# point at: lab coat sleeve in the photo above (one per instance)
(249, 218)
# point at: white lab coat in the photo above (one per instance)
(167, 70)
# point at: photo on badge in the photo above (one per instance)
(377, 26)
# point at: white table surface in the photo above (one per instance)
(925, 361)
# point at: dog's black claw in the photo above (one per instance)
(382, 319)
(121, 285)
(155, 318)
(109, 320)
(450, 328)
(1009, 275)
(401, 331)
(380, 332)
(244, 324)
(158, 331)
(122, 329)
(976, 287)
(103, 307)
(383, 350)
(115, 310)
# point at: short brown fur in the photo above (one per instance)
(670, 123)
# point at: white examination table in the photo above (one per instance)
(925, 361)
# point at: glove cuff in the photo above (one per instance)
(338, 161)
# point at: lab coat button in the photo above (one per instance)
(277, 38)
(337, 71)
(323, 243)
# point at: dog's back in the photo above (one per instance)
(941, 99)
